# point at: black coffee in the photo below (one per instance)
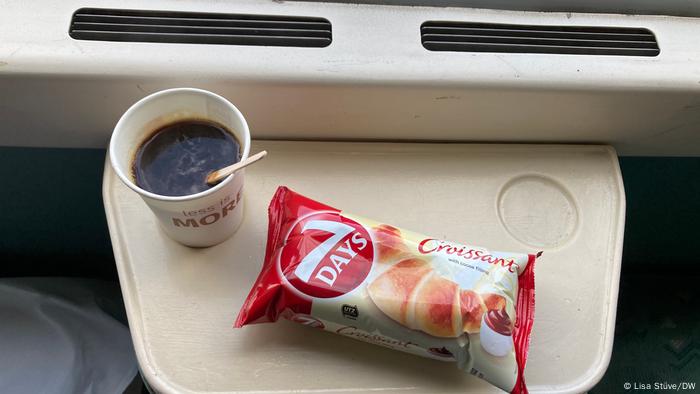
(177, 158)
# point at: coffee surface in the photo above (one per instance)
(177, 158)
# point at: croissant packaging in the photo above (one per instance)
(335, 271)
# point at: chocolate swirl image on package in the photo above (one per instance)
(371, 281)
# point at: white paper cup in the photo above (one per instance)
(202, 219)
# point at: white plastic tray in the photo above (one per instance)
(565, 200)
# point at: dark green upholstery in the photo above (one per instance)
(53, 221)
(657, 333)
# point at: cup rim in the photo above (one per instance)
(153, 96)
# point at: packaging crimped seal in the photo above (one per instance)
(339, 272)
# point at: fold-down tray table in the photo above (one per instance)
(565, 200)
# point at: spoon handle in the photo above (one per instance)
(215, 177)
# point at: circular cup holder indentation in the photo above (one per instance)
(537, 211)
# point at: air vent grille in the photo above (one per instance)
(578, 40)
(199, 28)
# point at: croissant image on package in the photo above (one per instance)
(411, 293)
(389, 243)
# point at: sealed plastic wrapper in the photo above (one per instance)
(332, 270)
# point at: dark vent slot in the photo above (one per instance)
(577, 40)
(199, 28)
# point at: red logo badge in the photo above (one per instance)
(327, 255)
(307, 320)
